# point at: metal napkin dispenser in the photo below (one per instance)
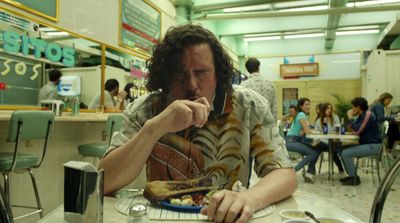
(83, 193)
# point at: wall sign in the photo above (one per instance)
(15, 43)
(140, 25)
(45, 8)
(299, 70)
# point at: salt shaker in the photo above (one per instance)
(138, 214)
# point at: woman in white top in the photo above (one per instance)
(326, 115)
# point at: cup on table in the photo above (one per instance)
(99, 109)
(293, 214)
(337, 129)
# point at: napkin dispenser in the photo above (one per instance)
(83, 193)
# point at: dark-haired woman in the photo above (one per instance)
(295, 140)
(129, 93)
(366, 126)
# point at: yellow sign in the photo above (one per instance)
(299, 70)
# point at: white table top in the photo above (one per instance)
(299, 200)
(331, 136)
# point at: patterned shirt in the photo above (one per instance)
(245, 128)
(265, 88)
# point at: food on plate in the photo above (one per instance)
(196, 199)
(156, 191)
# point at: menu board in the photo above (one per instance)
(140, 25)
(44, 8)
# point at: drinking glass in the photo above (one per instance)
(99, 109)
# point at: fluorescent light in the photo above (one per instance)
(357, 32)
(57, 33)
(309, 35)
(375, 2)
(261, 38)
(352, 28)
(311, 8)
(248, 8)
(261, 35)
(47, 29)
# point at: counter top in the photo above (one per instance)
(66, 117)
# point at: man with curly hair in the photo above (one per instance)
(195, 124)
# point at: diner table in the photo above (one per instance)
(331, 139)
(299, 200)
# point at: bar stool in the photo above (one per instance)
(97, 150)
(25, 125)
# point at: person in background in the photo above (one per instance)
(288, 119)
(366, 126)
(260, 85)
(49, 90)
(129, 87)
(295, 140)
(318, 109)
(194, 109)
(332, 120)
(111, 90)
(381, 109)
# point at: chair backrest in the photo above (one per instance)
(382, 192)
(114, 123)
(29, 125)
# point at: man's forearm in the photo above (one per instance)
(122, 165)
(276, 186)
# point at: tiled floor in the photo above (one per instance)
(357, 200)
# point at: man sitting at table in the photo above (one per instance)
(365, 125)
(195, 110)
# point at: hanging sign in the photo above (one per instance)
(299, 70)
(140, 25)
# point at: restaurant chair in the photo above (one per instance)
(97, 150)
(376, 157)
(5, 209)
(382, 192)
(24, 126)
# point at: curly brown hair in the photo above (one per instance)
(165, 65)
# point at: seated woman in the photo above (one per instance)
(295, 140)
(381, 110)
(326, 115)
(366, 126)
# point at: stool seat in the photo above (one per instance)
(23, 161)
(93, 149)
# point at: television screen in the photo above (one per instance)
(69, 86)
